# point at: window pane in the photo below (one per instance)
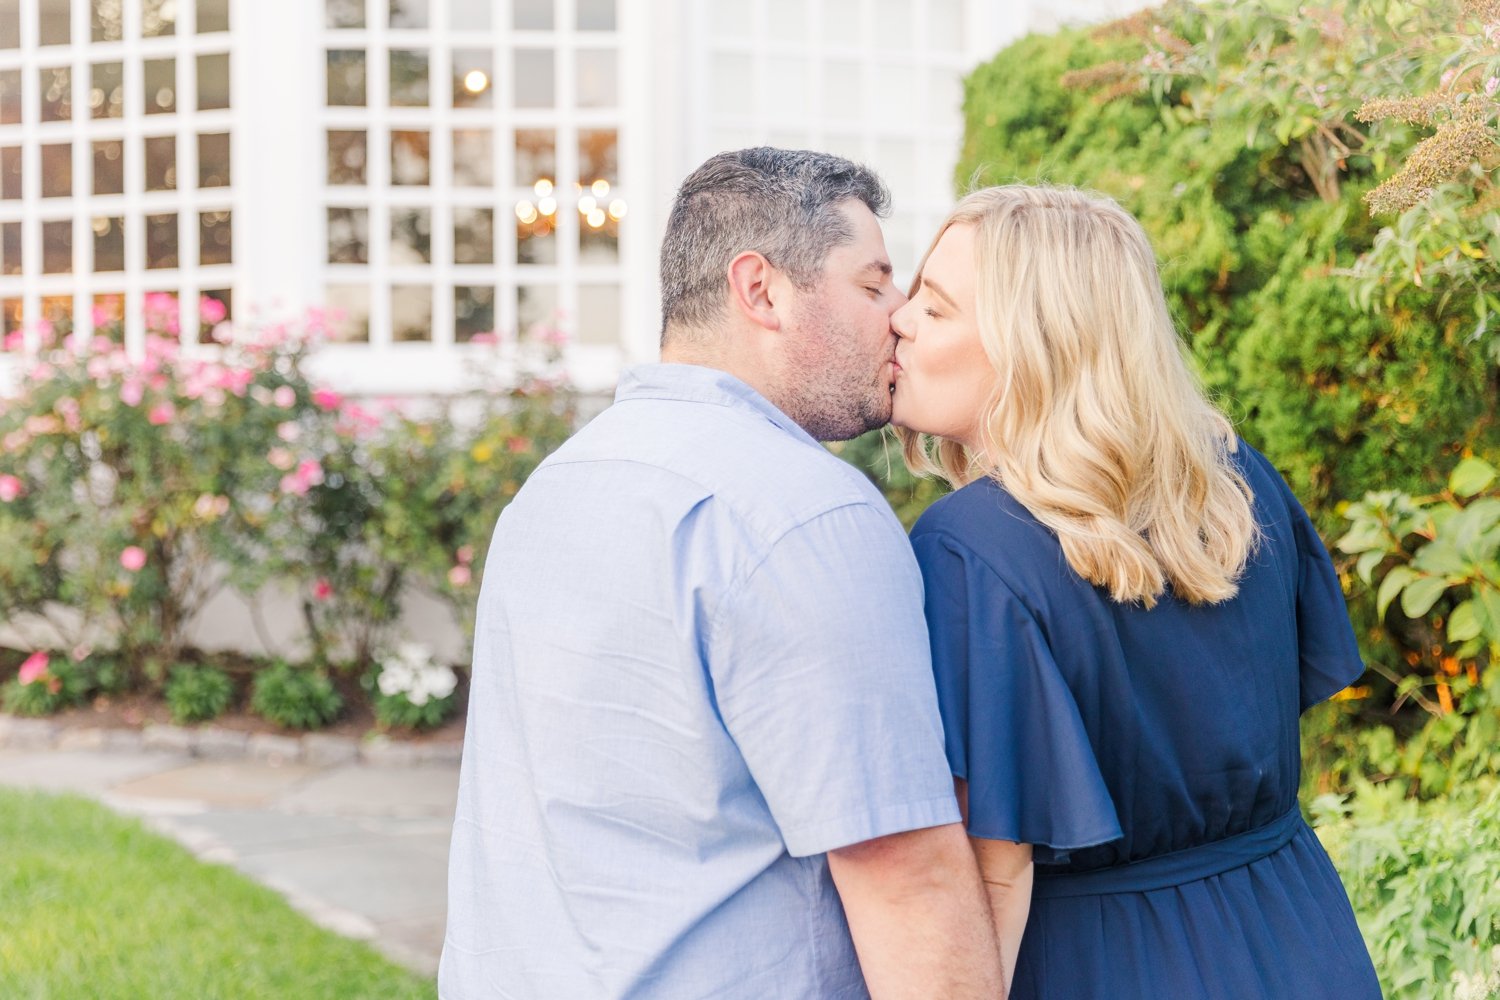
(473, 160)
(473, 312)
(107, 92)
(346, 78)
(411, 312)
(411, 236)
(109, 244)
(532, 15)
(408, 78)
(348, 236)
(10, 248)
(598, 78)
(57, 309)
(57, 247)
(473, 236)
(411, 161)
(598, 156)
(536, 305)
(10, 173)
(57, 93)
(57, 170)
(10, 315)
(161, 163)
(213, 159)
(598, 238)
(158, 17)
(596, 15)
(213, 81)
(843, 91)
(344, 13)
(533, 78)
(599, 314)
(108, 316)
(470, 14)
(348, 313)
(536, 232)
(215, 306)
(536, 157)
(10, 96)
(10, 25)
(106, 20)
(408, 13)
(160, 86)
(109, 167)
(346, 157)
(55, 20)
(473, 78)
(161, 241)
(215, 238)
(213, 15)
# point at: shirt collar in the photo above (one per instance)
(699, 384)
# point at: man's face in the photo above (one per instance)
(840, 347)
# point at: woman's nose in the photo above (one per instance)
(900, 321)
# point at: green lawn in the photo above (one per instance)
(94, 905)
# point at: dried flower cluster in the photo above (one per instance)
(1463, 137)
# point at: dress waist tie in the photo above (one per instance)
(1177, 868)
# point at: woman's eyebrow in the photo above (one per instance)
(938, 291)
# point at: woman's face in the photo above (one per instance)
(943, 378)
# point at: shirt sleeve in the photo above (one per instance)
(1013, 729)
(820, 670)
(1327, 649)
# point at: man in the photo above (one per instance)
(702, 715)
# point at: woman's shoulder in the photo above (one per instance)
(984, 519)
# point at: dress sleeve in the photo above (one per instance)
(1328, 652)
(1011, 725)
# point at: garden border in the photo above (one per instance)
(217, 743)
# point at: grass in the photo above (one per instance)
(94, 905)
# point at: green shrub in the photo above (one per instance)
(1422, 879)
(295, 697)
(61, 685)
(197, 694)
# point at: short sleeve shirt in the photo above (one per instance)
(700, 664)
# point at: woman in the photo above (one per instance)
(1129, 611)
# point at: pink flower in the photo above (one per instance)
(485, 339)
(102, 345)
(284, 396)
(211, 311)
(307, 475)
(322, 590)
(102, 316)
(326, 399)
(133, 558)
(10, 488)
(459, 576)
(131, 392)
(34, 669)
(15, 341)
(281, 459)
(466, 554)
(1491, 85)
(98, 368)
(288, 432)
(161, 413)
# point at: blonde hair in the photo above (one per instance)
(1096, 424)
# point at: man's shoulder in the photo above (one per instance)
(748, 464)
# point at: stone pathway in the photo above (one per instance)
(358, 844)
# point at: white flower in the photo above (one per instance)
(414, 674)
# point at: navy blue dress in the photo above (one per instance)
(1151, 757)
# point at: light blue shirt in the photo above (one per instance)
(700, 664)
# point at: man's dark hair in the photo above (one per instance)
(782, 203)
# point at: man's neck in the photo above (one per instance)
(747, 370)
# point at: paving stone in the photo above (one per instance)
(90, 738)
(382, 752)
(220, 744)
(275, 749)
(325, 751)
(123, 740)
(239, 784)
(439, 753)
(173, 738)
(27, 734)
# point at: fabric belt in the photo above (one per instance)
(1177, 868)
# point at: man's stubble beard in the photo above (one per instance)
(831, 388)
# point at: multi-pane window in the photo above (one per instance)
(471, 168)
(116, 141)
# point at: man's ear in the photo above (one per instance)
(751, 293)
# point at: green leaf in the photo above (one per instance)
(1489, 607)
(1471, 476)
(1392, 585)
(1367, 563)
(1421, 594)
(1463, 624)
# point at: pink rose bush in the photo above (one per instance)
(136, 485)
